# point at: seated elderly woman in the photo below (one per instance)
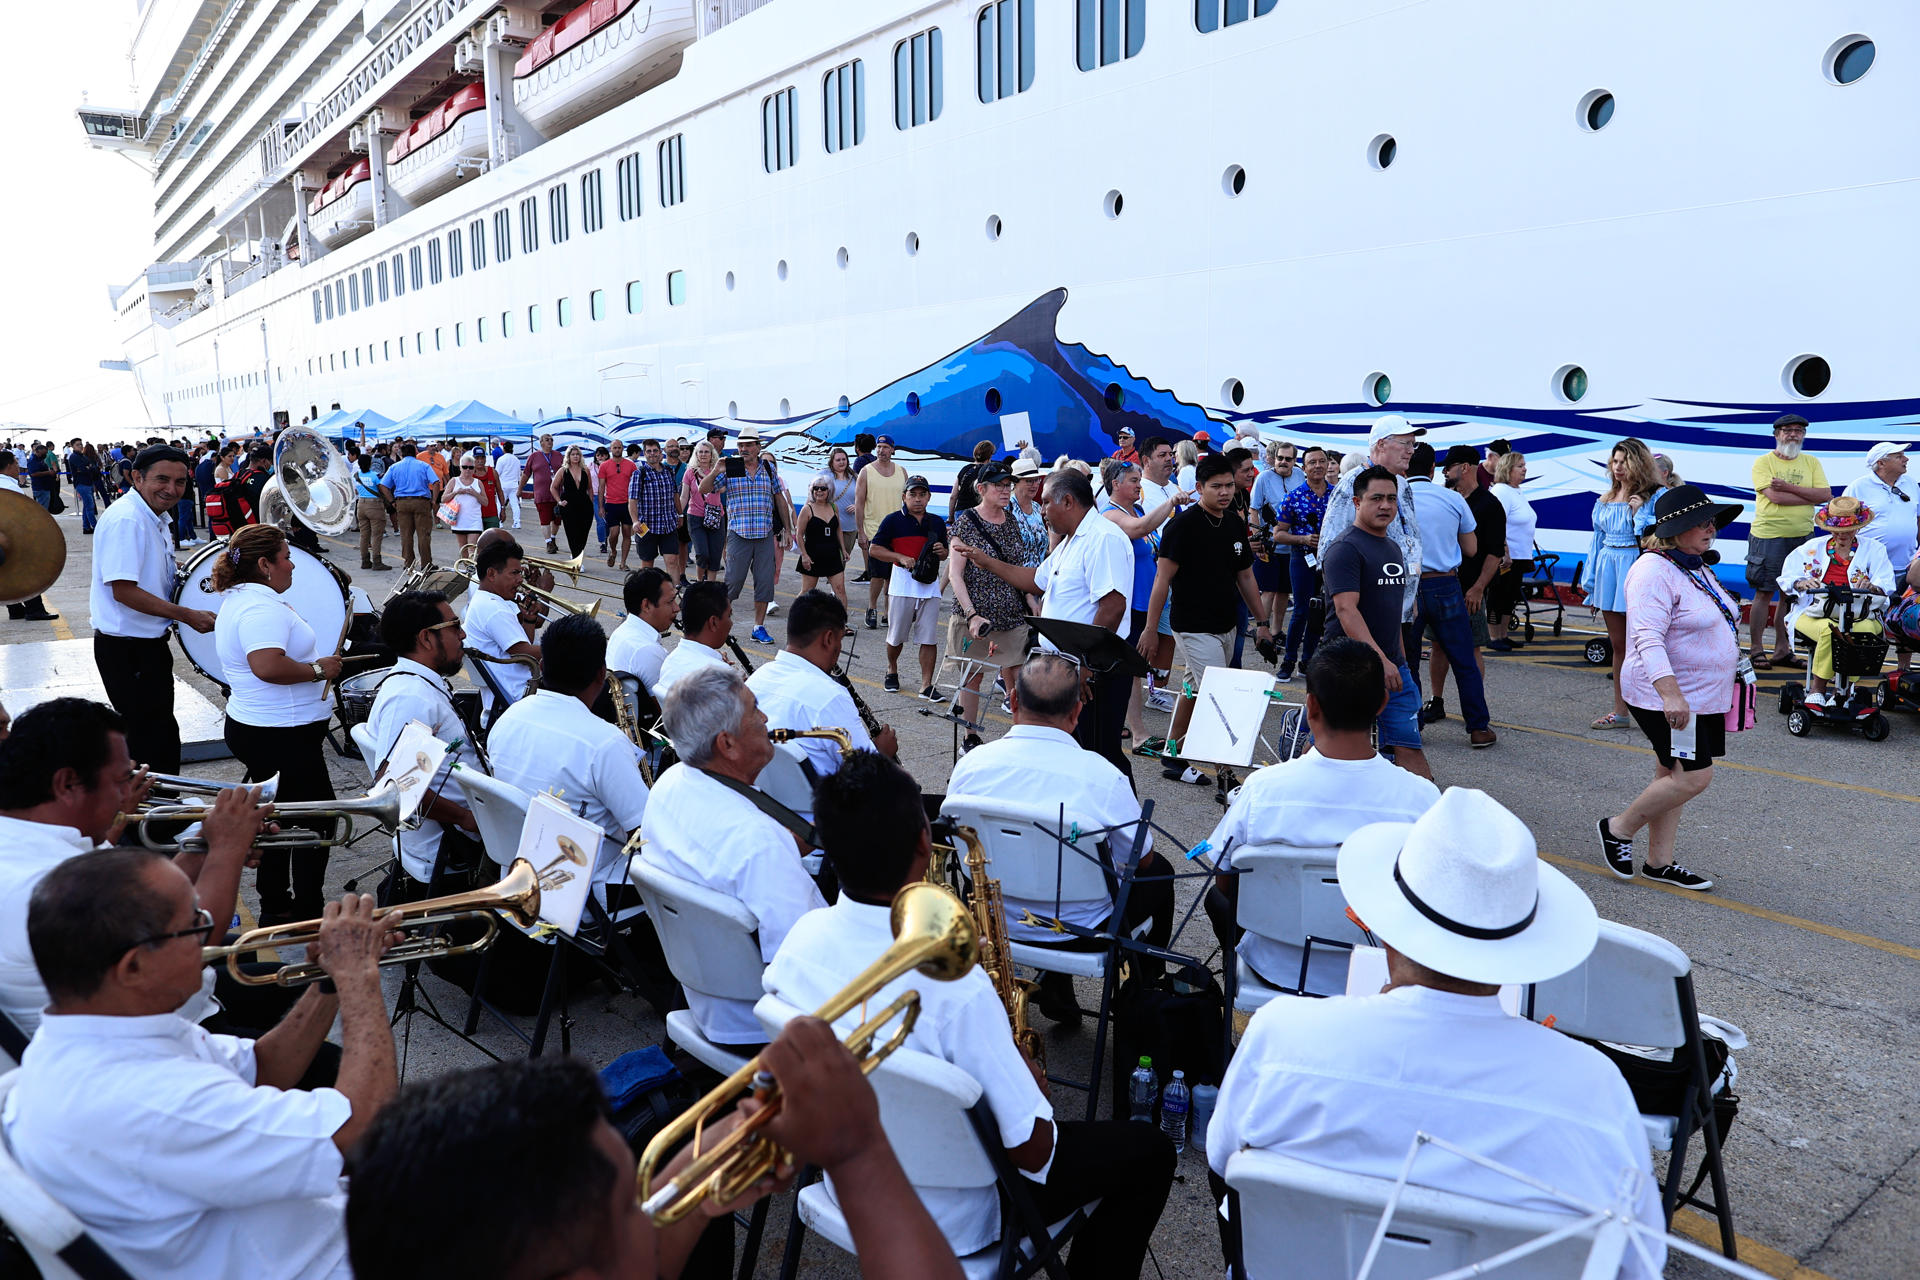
(1834, 557)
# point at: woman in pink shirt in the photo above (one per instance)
(1678, 678)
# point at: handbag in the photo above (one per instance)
(54, 505)
(447, 513)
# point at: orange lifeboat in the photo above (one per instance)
(597, 56)
(442, 149)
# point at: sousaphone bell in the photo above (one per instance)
(313, 480)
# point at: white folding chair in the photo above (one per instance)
(362, 735)
(710, 944)
(57, 1241)
(944, 1135)
(1297, 1219)
(1637, 988)
(1291, 898)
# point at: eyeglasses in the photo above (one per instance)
(202, 928)
(455, 623)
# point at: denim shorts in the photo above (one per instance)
(1399, 722)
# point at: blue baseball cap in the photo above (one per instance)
(880, 440)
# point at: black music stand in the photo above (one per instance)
(1108, 657)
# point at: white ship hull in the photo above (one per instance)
(442, 164)
(1740, 212)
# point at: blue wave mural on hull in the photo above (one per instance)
(1076, 400)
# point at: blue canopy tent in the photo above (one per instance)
(345, 424)
(411, 424)
(472, 420)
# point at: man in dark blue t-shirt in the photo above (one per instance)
(1366, 579)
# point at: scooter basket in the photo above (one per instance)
(1858, 653)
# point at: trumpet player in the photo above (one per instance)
(873, 827)
(496, 625)
(277, 712)
(796, 692)
(637, 646)
(185, 1153)
(65, 779)
(534, 1140)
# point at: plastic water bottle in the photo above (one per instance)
(1141, 1088)
(1173, 1111)
(1204, 1098)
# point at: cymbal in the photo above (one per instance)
(32, 548)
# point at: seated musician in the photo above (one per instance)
(637, 646)
(1319, 799)
(706, 620)
(1463, 903)
(65, 779)
(497, 626)
(1040, 762)
(795, 691)
(552, 741)
(874, 830)
(186, 1153)
(534, 1141)
(702, 824)
(423, 629)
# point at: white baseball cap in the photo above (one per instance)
(1390, 425)
(1885, 449)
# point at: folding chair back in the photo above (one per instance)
(1025, 855)
(1297, 1219)
(1623, 992)
(57, 1241)
(788, 778)
(708, 937)
(923, 1108)
(499, 809)
(1290, 894)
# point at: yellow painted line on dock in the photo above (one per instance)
(1759, 1256)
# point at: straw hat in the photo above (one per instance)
(1843, 515)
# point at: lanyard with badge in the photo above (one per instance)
(1744, 669)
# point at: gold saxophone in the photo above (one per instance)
(990, 928)
(841, 738)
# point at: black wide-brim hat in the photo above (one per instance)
(1686, 506)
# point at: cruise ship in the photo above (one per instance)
(1040, 221)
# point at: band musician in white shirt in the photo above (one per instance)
(795, 691)
(186, 1153)
(1317, 800)
(65, 780)
(497, 626)
(1463, 904)
(703, 824)
(638, 645)
(873, 827)
(1039, 762)
(552, 741)
(706, 621)
(423, 629)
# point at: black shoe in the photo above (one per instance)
(863, 577)
(1174, 769)
(1502, 645)
(1055, 998)
(932, 693)
(1618, 853)
(552, 545)
(1285, 673)
(968, 743)
(891, 684)
(1433, 711)
(38, 617)
(873, 620)
(1678, 876)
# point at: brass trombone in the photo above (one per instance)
(382, 805)
(576, 569)
(517, 894)
(933, 933)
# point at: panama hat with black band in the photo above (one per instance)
(1463, 892)
(1686, 506)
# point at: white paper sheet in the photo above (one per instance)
(1227, 716)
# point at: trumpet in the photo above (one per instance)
(382, 805)
(517, 895)
(464, 567)
(840, 736)
(575, 569)
(179, 785)
(933, 933)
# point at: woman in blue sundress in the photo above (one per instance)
(1621, 516)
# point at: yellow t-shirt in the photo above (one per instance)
(884, 496)
(1771, 519)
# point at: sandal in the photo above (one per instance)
(1761, 662)
(1612, 720)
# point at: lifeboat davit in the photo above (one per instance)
(442, 149)
(343, 209)
(597, 57)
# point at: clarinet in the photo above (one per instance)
(869, 721)
(740, 654)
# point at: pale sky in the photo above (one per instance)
(74, 221)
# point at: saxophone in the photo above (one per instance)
(990, 926)
(840, 737)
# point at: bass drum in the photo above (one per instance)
(318, 594)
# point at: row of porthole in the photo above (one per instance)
(1805, 376)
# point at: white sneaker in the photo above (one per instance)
(773, 608)
(1160, 700)
(1818, 700)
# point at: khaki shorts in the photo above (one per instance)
(1001, 648)
(915, 618)
(1202, 649)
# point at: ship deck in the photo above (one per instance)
(1810, 942)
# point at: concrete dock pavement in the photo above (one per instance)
(1810, 940)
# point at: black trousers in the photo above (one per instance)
(137, 673)
(1130, 1167)
(291, 882)
(1148, 899)
(1102, 719)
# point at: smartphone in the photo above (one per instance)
(736, 468)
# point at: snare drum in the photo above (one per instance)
(318, 594)
(355, 694)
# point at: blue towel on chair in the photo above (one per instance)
(634, 1074)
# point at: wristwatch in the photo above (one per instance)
(319, 672)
